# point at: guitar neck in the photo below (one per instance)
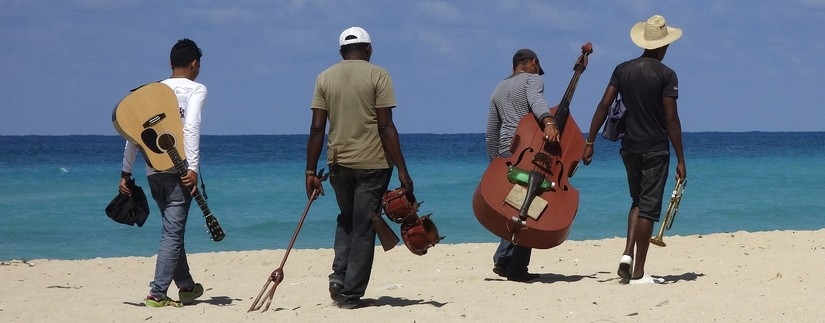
(181, 167)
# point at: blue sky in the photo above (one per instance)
(64, 65)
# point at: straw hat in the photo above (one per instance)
(654, 33)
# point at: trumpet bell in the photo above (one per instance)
(670, 215)
(658, 241)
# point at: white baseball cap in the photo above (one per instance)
(353, 35)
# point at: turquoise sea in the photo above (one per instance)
(53, 190)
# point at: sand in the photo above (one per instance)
(726, 277)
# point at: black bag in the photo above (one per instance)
(614, 127)
(129, 210)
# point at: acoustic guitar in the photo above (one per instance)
(150, 117)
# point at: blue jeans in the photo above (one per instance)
(512, 258)
(359, 193)
(174, 201)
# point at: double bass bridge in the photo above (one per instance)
(543, 162)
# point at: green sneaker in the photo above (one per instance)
(188, 297)
(166, 301)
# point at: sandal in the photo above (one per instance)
(166, 301)
(647, 279)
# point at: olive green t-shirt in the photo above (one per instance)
(351, 91)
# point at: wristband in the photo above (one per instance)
(125, 174)
(589, 143)
(309, 172)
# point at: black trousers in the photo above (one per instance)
(359, 193)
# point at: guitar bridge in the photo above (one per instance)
(154, 120)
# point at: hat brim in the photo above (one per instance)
(637, 34)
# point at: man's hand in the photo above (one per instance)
(551, 133)
(190, 180)
(407, 184)
(313, 183)
(123, 188)
(587, 155)
(681, 170)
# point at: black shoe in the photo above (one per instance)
(523, 278)
(335, 291)
(499, 270)
(352, 303)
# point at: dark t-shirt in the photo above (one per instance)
(642, 83)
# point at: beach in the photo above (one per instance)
(729, 277)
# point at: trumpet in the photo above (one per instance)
(670, 215)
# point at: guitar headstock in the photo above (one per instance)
(215, 230)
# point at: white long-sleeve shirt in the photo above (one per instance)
(191, 98)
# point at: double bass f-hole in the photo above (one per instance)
(520, 157)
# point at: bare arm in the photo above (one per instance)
(674, 132)
(540, 108)
(389, 139)
(314, 145)
(599, 117)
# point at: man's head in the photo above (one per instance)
(355, 43)
(528, 61)
(654, 33)
(186, 55)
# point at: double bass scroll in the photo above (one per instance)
(526, 198)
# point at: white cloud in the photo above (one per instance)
(813, 3)
(440, 10)
(103, 4)
(439, 42)
(232, 14)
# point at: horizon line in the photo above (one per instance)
(405, 133)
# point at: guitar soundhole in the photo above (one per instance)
(166, 142)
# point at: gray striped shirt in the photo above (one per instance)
(513, 98)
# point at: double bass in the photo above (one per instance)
(527, 198)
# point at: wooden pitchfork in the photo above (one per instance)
(277, 275)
